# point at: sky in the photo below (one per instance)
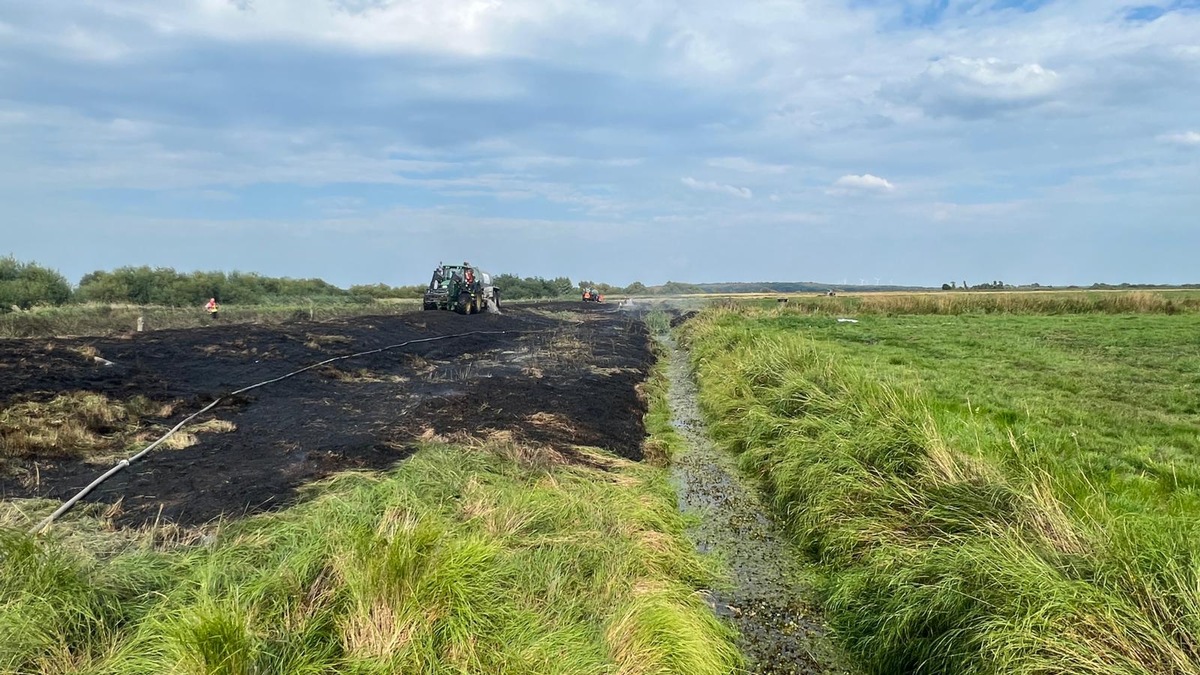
(363, 141)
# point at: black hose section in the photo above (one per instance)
(67, 505)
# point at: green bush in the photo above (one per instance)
(383, 291)
(164, 286)
(513, 287)
(24, 285)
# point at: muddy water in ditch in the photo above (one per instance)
(767, 597)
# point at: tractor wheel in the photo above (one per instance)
(464, 303)
(496, 298)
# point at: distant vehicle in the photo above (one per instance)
(592, 295)
(464, 288)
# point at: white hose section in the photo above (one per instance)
(66, 506)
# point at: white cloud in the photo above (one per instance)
(781, 97)
(1186, 138)
(709, 186)
(455, 26)
(863, 183)
(967, 87)
(744, 165)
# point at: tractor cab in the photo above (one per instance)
(463, 288)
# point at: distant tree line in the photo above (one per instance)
(23, 285)
(165, 286)
(532, 288)
(26, 284)
(1000, 285)
(989, 286)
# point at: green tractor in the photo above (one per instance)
(464, 288)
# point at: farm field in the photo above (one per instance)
(473, 504)
(1011, 493)
(955, 483)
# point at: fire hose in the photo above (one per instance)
(124, 463)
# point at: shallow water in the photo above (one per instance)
(767, 597)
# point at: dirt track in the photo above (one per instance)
(566, 375)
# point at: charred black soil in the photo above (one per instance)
(561, 375)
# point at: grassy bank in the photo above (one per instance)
(989, 494)
(105, 319)
(488, 560)
(663, 441)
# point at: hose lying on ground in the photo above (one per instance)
(66, 506)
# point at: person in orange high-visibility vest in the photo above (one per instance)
(212, 307)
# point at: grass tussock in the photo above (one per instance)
(986, 536)
(87, 425)
(663, 442)
(462, 560)
(190, 435)
(657, 321)
(358, 375)
(319, 342)
(72, 425)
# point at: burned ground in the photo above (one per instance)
(563, 375)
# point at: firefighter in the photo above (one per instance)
(212, 307)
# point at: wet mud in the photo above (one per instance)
(767, 597)
(563, 375)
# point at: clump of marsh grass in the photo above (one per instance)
(73, 424)
(460, 560)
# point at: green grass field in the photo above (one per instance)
(490, 559)
(954, 303)
(991, 492)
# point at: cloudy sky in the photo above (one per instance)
(911, 141)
